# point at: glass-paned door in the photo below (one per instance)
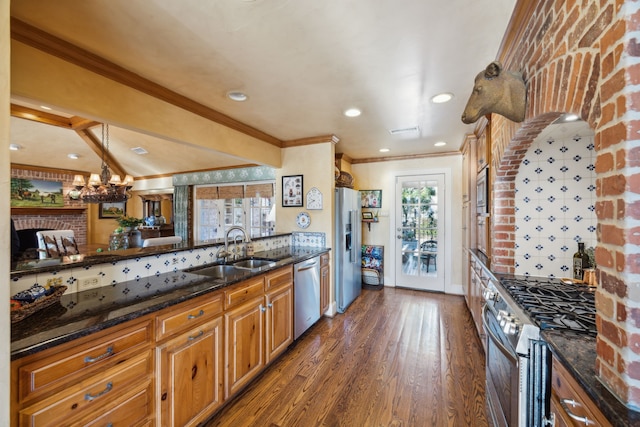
(420, 232)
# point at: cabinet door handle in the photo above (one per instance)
(91, 397)
(107, 353)
(193, 337)
(565, 405)
(263, 309)
(194, 316)
(270, 305)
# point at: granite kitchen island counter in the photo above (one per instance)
(83, 313)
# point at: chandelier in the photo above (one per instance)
(102, 187)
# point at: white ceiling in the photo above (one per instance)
(301, 62)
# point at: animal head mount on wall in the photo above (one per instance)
(496, 91)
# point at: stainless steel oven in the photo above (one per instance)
(517, 363)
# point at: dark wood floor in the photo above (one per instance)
(396, 358)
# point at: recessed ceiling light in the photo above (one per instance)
(352, 112)
(571, 117)
(384, 150)
(139, 150)
(14, 147)
(73, 156)
(44, 107)
(442, 97)
(440, 144)
(236, 95)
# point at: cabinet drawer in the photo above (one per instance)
(567, 392)
(186, 316)
(283, 276)
(60, 366)
(96, 394)
(134, 410)
(244, 291)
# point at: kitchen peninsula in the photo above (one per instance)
(108, 341)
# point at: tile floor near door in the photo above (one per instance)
(395, 358)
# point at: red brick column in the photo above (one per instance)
(584, 58)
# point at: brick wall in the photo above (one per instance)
(76, 222)
(583, 57)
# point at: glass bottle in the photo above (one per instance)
(580, 262)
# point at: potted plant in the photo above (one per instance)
(129, 222)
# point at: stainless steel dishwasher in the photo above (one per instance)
(306, 293)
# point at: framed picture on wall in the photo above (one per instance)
(35, 193)
(112, 210)
(370, 198)
(292, 191)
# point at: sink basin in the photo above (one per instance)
(253, 263)
(226, 272)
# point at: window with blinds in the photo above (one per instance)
(217, 208)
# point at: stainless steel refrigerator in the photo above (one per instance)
(347, 247)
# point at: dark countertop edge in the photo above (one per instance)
(577, 353)
(67, 262)
(85, 326)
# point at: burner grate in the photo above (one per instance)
(555, 305)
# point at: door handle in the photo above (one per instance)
(399, 237)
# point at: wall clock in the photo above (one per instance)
(314, 199)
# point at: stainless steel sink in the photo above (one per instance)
(222, 271)
(254, 263)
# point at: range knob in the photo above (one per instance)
(489, 294)
(511, 327)
(501, 314)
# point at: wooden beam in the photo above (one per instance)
(40, 116)
(96, 145)
(48, 43)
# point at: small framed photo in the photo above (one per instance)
(112, 210)
(370, 198)
(367, 215)
(292, 191)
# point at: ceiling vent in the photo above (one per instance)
(139, 150)
(401, 131)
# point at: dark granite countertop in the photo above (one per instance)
(577, 352)
(83, 313)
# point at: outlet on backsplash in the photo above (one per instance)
(55, 281)
(89, 283)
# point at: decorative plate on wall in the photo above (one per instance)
(303, 220)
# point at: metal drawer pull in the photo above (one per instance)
(193, 337)
(91, 397)
(193, 316)
(109, 352)
(565, 405)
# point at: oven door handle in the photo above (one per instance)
(503, 349)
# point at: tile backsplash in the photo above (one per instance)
(555, 200)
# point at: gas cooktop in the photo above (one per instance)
(553, 303)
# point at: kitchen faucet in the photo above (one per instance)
(247, 239)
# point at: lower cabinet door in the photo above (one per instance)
(244, 337)
(190, 375)
(279, 321)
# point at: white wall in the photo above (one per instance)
(375, 176)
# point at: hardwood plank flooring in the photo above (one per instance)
(396, 358)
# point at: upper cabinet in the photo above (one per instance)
(483, 149)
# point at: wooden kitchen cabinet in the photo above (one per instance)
(279, 314)
(325, 283)
(244, 336)
(190, 375)
(86, 379)
(258, 326)
(570, 405)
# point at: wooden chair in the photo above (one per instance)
(56, 243)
